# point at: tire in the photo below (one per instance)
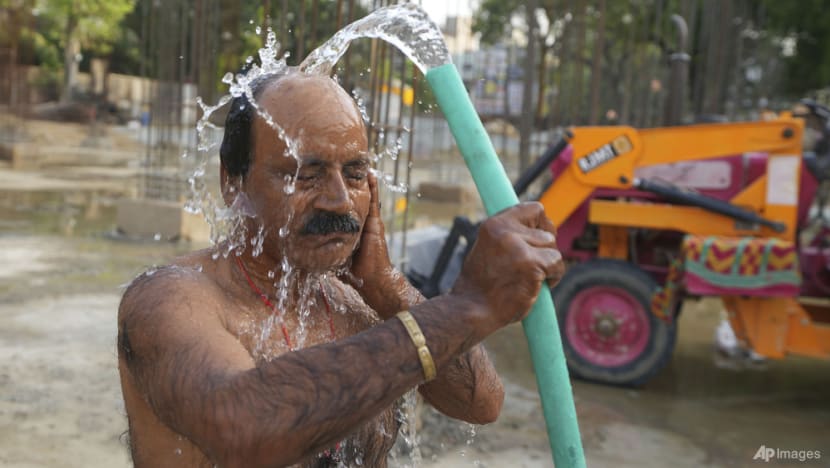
(609, 333)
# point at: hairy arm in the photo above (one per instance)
(468, 386)
(202, 383)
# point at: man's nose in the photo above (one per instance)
(334, 196)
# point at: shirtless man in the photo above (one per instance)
(205, 385)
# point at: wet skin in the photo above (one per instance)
(202, 388)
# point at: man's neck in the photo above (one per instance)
(283, 285)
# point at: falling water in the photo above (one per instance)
(406, 26)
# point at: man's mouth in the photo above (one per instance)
(333, 237)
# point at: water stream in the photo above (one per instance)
(405, 26)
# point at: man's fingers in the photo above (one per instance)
(373, 225)
(537, 237)
(546, 224)
(374, 204)
(527, 213)
(550, 261)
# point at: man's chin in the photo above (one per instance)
(319, 264)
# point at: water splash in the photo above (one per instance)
(257, 241)
(471, 429)
(227, 224)
(406, 26)
(361, 106)
(407, 453)
(306, 304)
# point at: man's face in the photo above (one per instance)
(326, 211)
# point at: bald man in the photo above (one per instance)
(236, 361)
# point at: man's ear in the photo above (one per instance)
(230, 185)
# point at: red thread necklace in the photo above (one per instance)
(273, 307)
(335, 454)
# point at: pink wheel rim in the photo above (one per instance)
(607, 326)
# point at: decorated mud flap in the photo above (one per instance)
(540, 327)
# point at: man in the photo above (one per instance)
(270, 357)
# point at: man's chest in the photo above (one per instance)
(268, 332)
(369, 445)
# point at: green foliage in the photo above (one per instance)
(304, 29)
(300, 19)
(807, 22)
(492, 18)
(95, 23)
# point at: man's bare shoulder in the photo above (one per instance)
(187, 281)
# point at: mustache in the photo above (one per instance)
(325, 222)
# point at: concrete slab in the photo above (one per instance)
(37, 155)
(160, 219)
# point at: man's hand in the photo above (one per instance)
(514, 254)
(371, 272)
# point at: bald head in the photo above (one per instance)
(302, 105)
(307, 107)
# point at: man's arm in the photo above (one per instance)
(201, 381)
(468, 387)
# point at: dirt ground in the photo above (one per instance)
(60, 403)
(62, 273)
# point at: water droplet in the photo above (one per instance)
(472, 433)
(257, 241)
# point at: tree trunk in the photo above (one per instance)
(526, 125)
(541, 75)
(12, 75)
(578, 56)
(283, 27)
(266, 18)
(596, 66)
(70, 63)
(300, 34)
(629, 45)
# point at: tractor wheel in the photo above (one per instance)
(608, 330)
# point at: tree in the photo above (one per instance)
(803, 32)
(89, 24)
(491, 20)
(12, 13)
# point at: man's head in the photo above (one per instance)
(325, 212)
